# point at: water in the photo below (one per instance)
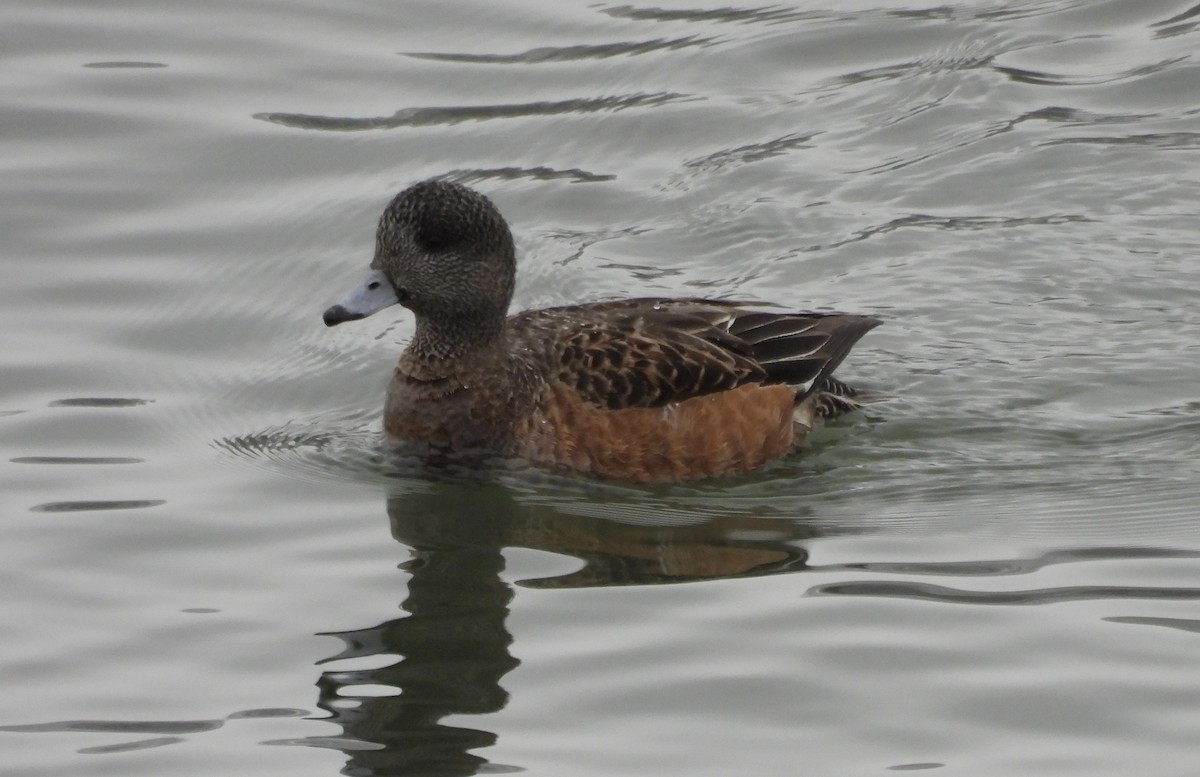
(209, 567)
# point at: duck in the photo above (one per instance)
(647, 389)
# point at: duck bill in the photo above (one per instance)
(373, 293)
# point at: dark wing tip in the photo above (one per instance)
(801, 348)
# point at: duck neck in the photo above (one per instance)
(442, 347)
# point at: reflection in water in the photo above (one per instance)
(453, 644)
(454, 650)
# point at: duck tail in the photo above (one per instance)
(826, 397)
(830, 398)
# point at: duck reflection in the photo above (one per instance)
(453, 646)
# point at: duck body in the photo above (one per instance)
(648, 389)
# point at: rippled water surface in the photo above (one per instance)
(210, 567)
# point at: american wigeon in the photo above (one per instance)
(639, 389)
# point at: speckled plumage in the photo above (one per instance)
(640, 389)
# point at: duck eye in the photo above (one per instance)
(373, 285)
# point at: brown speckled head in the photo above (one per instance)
(444, 252)
(448, 252)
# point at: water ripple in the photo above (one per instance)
(1179, 24)
(945, 594)
(126, 747)
(96, 504)
(1181, 624)
(541, 173)
(1045, 78)
(970, 223)
(569, 53)
(1164, 141)
(1019, 566)
(100, 402)
(127, 65)
(751, 152)
(456, 114)
(76, 460)
(169, 727)
(763, 14)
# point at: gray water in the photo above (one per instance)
(209, 566)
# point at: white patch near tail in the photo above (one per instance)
(805, 413)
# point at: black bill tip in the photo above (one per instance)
(339, 315)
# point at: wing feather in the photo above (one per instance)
(653, 352)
